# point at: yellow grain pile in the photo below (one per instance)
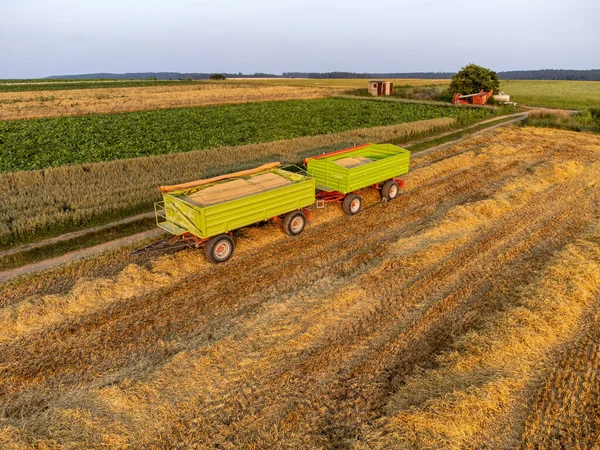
(241, 187)
(356, 161)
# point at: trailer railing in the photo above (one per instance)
(160, 212)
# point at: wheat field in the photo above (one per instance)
(36, 104)
(462, 315)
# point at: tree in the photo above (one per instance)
(217, 76)
(473, 78)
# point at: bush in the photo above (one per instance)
(217, 76)
(446, 96)
(587, 120)
(473, 78)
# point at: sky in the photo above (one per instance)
(39, 38)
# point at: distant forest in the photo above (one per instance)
(543, 74)
(551, 74)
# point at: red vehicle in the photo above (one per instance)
(472, 99)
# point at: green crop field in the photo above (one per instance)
(41, 143)
(553, 94)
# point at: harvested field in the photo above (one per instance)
(29, 105)
(566, 411)
(59, 85)
(438, 320)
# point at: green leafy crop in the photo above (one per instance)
(41, 143)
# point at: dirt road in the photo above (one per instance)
(57, 261)
(308, 342)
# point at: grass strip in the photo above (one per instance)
(454, 136)
(587, 120)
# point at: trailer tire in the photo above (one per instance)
(352, 204)
(219, 248)
(294, 223)
(390, 190)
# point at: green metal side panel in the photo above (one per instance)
(328, 176)
(239, 213)
(207, 221)
(182, 215)
(388, 162)
(377, 171)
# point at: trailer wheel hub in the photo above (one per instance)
(223, 249)
(297, 224)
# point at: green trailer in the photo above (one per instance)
(206, 211)
(340, 174)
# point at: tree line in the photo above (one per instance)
(543, 74)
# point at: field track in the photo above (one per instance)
(363, 332)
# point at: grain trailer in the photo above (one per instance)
(205, 212)
(340, 174)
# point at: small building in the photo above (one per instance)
(378, 88)
(480, 98)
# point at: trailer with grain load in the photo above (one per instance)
(205, 212)
(340, 174)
